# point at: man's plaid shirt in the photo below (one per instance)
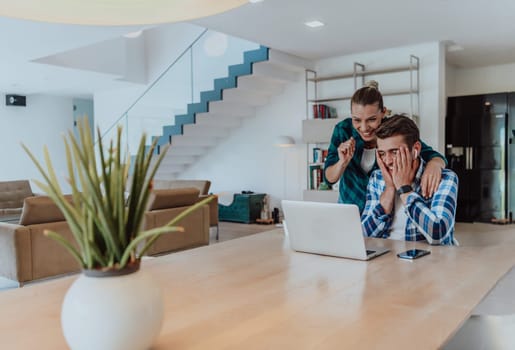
(428, 219)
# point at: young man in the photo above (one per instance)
(395, 207)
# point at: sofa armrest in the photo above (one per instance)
(213, 209)
(15, 252)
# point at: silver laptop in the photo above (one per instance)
(328, 229)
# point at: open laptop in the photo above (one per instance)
(328, 229)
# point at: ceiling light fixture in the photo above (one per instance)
(314, 24)
(255, 1)
(454, 47)
(115, 12)
(133, 35)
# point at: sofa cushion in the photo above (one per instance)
(202, 185)
(172, 198)
(40, 209)
(12, 193)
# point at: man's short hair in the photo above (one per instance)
(399, 125)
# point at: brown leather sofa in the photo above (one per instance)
(203, 187)
(164, 205)
(26, 254)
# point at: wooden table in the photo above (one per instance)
(254, 293)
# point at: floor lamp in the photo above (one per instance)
(284, 142)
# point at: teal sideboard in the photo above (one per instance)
(244, 208)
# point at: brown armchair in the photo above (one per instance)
(26, 254)
(203, 187)
(164, 205)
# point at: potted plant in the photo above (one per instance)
(112, 305)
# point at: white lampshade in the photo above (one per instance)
(115, 12)
(284, 141)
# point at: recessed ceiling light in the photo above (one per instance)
(255, 1)
(454, 47)
(134, 35)
(314, 24)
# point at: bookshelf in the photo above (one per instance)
(330, 91)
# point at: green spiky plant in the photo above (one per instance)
(104, 223)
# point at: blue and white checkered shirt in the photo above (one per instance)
(428, 219)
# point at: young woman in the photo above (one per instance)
(351, 157)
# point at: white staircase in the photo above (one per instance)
(253, 91)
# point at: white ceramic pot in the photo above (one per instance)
(120, 312)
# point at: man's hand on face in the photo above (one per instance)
(404, 169)
(387, 175)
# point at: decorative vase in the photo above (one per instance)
(112, 310)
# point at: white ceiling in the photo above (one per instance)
(482, 28)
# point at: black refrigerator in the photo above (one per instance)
(478, 138)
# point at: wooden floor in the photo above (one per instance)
(232, 230)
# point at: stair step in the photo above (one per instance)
(217, 120)
(172, 130)
(263, 85)
(272, 72)
(245, 96)
(225, 83)
(240, 69)
(178, 150)
(231, 109)
(198, 107)
(206, 130)
(178, 160)
(165, 175)
(290, 62)
(256, 55)
(172, 168)
(184, 119)
(212, 95)
(186, 141)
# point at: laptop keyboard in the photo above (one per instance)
(370, 252)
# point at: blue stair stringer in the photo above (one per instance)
(230, 82)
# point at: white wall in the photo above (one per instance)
(42, 122)
(482, 80)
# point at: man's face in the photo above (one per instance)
(388, 149)
(366, 119)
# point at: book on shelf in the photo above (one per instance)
(322, 111)
(319, 155)
(315, 176)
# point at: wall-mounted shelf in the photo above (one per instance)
(344, 98)
(361, 73)
(318, 130)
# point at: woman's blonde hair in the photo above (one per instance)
(368, 95)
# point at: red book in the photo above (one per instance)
(321, 111)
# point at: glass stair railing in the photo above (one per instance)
(210, 64)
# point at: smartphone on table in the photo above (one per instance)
(413, 254)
